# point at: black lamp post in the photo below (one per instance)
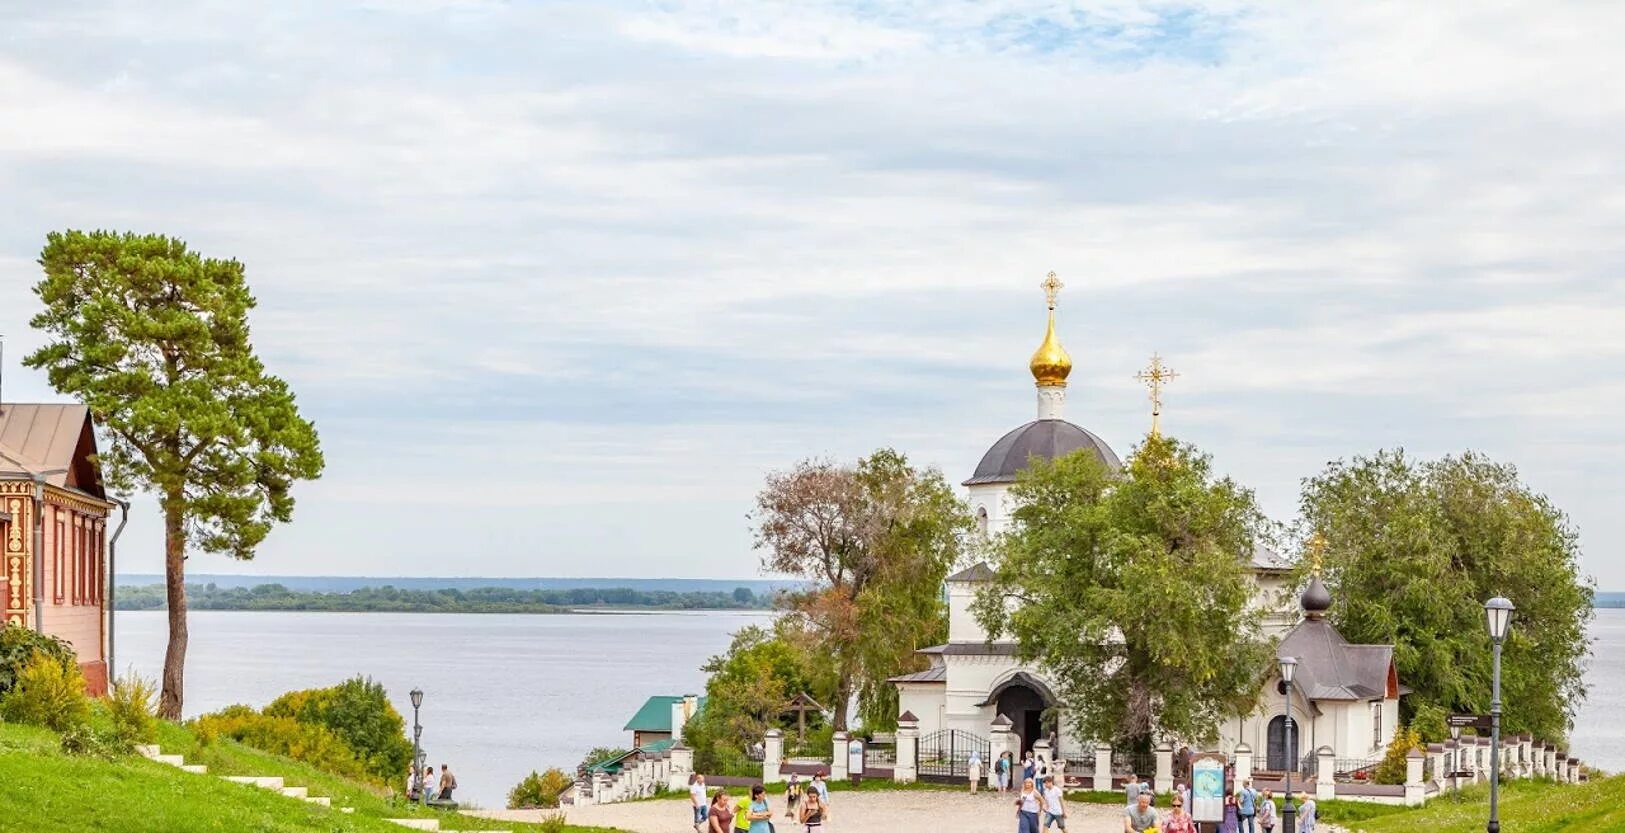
(417, 732)
(1289, 666)
(1499, 613)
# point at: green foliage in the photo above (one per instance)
(1392, 768)
(746, 694)
(154, 339)
(314, 744)
(601, 753)
(19, 645)
(552, 823)
(358, 711)
(49, 692)
(1133, 591)
(874, 540)
(443, 600)
(1413, 549)
(84, 739)
(539, 790)
(130, 706)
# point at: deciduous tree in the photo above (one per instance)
(874, 540)
(1131, 588)
(153, 337)
(1412, 551)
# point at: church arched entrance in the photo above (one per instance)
(1283, 744)
(1023, 698)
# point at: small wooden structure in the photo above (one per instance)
(801, 704)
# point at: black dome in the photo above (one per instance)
(1316, 599)
(1047, 438)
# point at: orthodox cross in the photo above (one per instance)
(1052, 286)
(1154, 377)
(1317, 550)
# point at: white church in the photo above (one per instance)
(1344, 696)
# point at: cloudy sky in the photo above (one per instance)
(560, 282)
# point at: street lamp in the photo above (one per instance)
(1498, 611)
(417, 731)
(1289, 666)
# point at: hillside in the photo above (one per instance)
(50, 792)
(1526, 807)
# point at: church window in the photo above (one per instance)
(1376, 724)
(981, 519)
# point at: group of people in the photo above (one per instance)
(1245, 811)
(1005, 771)
(423, 786)
(714, 812)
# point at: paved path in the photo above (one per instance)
(903, 811)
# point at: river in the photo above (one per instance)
(505, 694)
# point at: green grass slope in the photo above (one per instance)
(1526, 807)
(49, 792)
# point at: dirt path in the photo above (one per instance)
(903, 811)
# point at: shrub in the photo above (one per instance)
(541, 790)
(83, 740)
(130, 705)
(358, 712)
(18, 646)
(49, 692)
(315, 745)
(552, 823)
(1392, 768)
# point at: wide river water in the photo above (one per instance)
(505, 694)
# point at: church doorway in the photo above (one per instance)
(1283, 744)
(1025, 708)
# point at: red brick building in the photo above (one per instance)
(51, 493)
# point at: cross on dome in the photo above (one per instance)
(1154, 378)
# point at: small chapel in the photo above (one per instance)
(54, 530)
(1345, 695)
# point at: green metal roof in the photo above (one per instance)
(613, 765)
(655, 715)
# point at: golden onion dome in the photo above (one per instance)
(1050, 364)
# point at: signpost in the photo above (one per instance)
(1207, 789)
(854, 760)
(1479, 722)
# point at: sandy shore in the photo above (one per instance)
(904, 811)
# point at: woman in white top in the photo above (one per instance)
(1028, 805)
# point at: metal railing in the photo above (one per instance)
(1355, 770)
(1142, 764)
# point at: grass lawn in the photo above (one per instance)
(50, 792)
(1526, 807)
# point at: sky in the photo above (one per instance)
(560, 283)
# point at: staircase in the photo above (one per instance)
(276, 784)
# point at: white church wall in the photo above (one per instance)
(993, 498)
(925, 701)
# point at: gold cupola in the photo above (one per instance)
(1051, 365)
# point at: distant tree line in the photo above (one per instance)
(447, 600)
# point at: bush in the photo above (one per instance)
(49, 692)
(18, 646)
(130, 705)
(552, 823)
(358, 712)
(539, 790)
(83, 740)
(315, 745)
(1392, 768)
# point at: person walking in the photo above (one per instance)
(1029, 803)
(719, 817)
(1266, 812)
(792, 796)
(761, 813)
(1178, 820)
(697, 799)
(1231, 822)
(812, 812)
(1001, 771)
(1246, 807)
(822, 788)
(1140, 817)
(1306, 813)
(1054, 808)
(975, 769)
(1131, 789)
(448, 782)
(1029, 768)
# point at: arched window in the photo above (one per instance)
(981, 519)
(1283, 744)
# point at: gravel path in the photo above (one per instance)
(903, 811)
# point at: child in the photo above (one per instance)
(792, 795)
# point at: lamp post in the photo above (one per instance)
(1289, 666)
(1499, 613)
(417, 732)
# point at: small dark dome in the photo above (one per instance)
(1316, 599)
(1046, 438)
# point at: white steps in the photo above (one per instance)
(319, 799)
(195, 769)
(418, 824)
(147, 750)
(172, 760)
(268, 782)
(277, 783)
(346, 809)
(296, 792)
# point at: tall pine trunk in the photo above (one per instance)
(170, 699)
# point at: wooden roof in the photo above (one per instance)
(54, 439)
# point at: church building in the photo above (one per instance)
(1350, 704)
(53, 530)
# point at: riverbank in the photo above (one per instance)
(390, 599)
